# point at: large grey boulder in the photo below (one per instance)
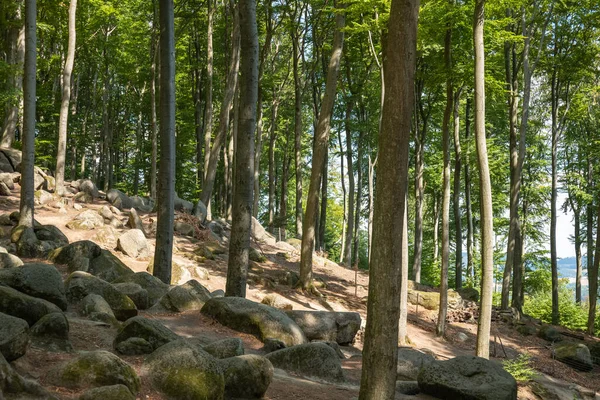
(410, 362)
(112, 392)
(75, 250)
(89, 187)
(225, 348)
(181, 370)
(595, 352)
(257, 319)
(87, 256)
(10, 159)
(133, 243)
(199, 211)
(135, 292)
(134, 221)
(247, 376)
(96, 308)
(155, 287)
(51, 332)
(9, 261)
(189, 296)
(182, 205)
(37, 242)
(14, 386)
(467, 378)
(108, 267)
(37, 280)
(21, 305)
(152, 331)
(340, 327)
(119, 199)
(80, 284)
(86, 220)
(315, 360)
(260, 234)
(94, 369)
(575, 355)
(14, 336)
(549, 333)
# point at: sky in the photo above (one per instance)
(564, 230)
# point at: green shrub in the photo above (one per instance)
(520, 368)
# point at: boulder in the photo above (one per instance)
(260, 234)
(107, 236)
(94, 369)
(94, 306)
(86, 220)
(256, 256)
(182, 205)
(218, 293)
(549, 333)
(199, 211)
(10, 159)
(134, 346)
(410, 362)
(75, 250)
(42, 197)
(4, 190)
(183, 228)
(14, 386)
(257, 319)
(108, 267)
(152, 331)
(119, 199)
(409, 388)
(316, 360)
(80, 284)
(37, 280)
(133, 243)
(431, 300)
(469, 293)
(14, 337)
(51, 332)
(225, 348)
(134, 221)
(113, 392)
(7, 179)
(9, 261)
(135, 292)
(247, 376)
(340, 327)
(189, 296)
(595, 352)
(155, 287)
(272, 345)
(179, 273)
(88, 187)
(575, 355)
(37, 242)
(468, 378)
(20, 305)
(181, 370)
(82, 197)
(142, 203)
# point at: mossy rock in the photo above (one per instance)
(189, 296)
(154, 286)
(247, 376)
(38, 280)
(181, 370)
(225, 348)
(595, 352)
(205, 251)
(258, 319)
(20, 305)
(81, 249)
(575, 355)
(108, 267)
(14, 337)
(94, 369)
(179, 273)
(152, 331)
(256, 256)
(469, 293)
(113, 392)
(316, 360)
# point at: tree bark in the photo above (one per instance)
(470, 229)
(272, 167)
(64, 105)
(215, 150)
(553, 211)
(457, 214)
(320, 154)
(153, 122)
(298, 129)
(237, 266)
(378, 379)
(29, 94)
(350, 224)
(441, 322)
(593, 283)
(403, 323)
(487, 216)
(208, 110)
(163, 254)
(419, 196)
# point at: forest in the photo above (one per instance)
(434, 142)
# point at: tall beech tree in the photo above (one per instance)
(378, 379)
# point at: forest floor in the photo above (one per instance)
(342, 293)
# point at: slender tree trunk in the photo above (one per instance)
(371, 202)
(237, 267)
(298, 129)
(320, 154)
(64, 105)
(487, 216)
(553, 210)
(272, 177)
(215, 150)
(15, 57)
(593, 282)
(419, 196)
(282, 223)
(357, 207)
(403, 323)
(208, 110)
(29, 94)
(436, 227)
(590, 220)
(153, 122)
(350, 225)
(457, 172)
(378, 379)
(441, 323)
(470, 229)
(163, 254)
(344, 202)
(323, 213)
(576, 215)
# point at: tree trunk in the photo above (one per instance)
(215, 150)
(64, 105)
(15, 57)
(320, 154)
(29, 95)
(487, 216)
(357, 207)
(208, 110)
(371, 202)
(298, 129)
(272, 167)
(593, 283)
(553, 211)
(378, 379)
(323, 212)
(163, 254)
(457, 172)
(441, 322)
(237, 266)
(436, 227)
(350, 224)
(153, 122)
(403, 323)
(282, 222)
(344, 201)
(419, 196)
(470, 269)
(576, 215)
